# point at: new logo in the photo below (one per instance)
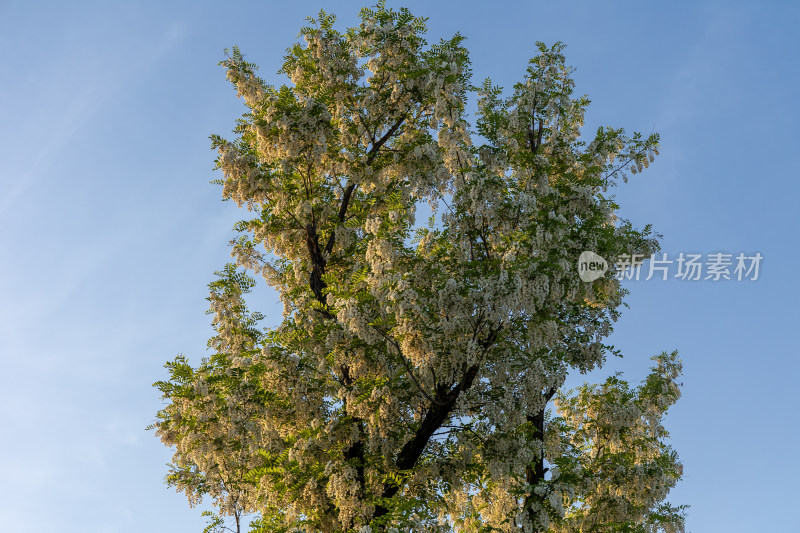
(591, 266)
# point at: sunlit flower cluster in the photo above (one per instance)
(408, 384)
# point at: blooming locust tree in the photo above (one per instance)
(408, 385)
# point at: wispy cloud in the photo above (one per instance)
(69, 92)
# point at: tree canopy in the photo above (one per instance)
(415, 382)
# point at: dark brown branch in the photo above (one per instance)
(535, 472)
(410, 372)
(539, 135)
(354, 452)
(534, 137)
(317, 266)
(344, 370)
(373, 152)
(348, 192)
(355, 455)
(626, 162)
(435, 416)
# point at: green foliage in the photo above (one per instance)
(408, 385)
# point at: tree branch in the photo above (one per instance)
(373, 152)
(534, 472)
(317, 267)
(437, 413)
(348, 192)
(405, 363)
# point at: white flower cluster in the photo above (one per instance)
(408, 384)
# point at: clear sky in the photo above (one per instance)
(110, 230)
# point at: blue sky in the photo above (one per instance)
(110, 230)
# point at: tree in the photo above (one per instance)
(408, 385)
